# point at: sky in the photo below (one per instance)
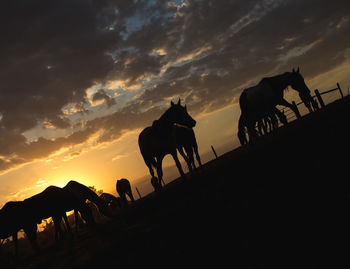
(79, 80)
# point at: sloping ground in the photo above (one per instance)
(282, 201)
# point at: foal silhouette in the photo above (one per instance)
(158, 140)
(123, 187)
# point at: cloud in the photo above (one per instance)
(118, 157)
(101, 95)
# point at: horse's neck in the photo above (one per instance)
(278, 83)
(163, 126)
(92, 196)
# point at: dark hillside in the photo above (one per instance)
(282, 201)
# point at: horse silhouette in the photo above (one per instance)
(186, 140)
(258, 101)
(123, 187)
(85, 193)
(158, 140)
(14, 217)
(52, 202)
(55, 202)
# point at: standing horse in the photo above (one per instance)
(258, 101)
(186, 140)
(158, 140)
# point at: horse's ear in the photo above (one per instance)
(179, 102)
(293, 70)
(172, 103)
(298, 70)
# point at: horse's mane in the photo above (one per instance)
(162, 123)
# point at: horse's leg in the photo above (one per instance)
(178, 164)
(274, 122)
(76, 215)
(160, 170)
(67, 223)
(15, 241)
(260, 127)
(30, 231)
(182, 153)
(251, 131)
(130, 195)
(280, 115)
(284, 102)
(150, 168)
(189, 152)
(195, 149)
(57, 223)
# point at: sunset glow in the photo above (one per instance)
(74, 98)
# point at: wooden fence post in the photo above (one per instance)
(319, 98)
(212, 148)
(296, 110)
(341, 93)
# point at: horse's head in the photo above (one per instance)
(297, 82)
(86, 214)
(178, 114)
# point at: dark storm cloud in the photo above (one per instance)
(265, 38)
(204, 51)
(101, 95)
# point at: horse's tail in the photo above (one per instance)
(149, 160)
(147, 156)
(243, 102)
(241, 131)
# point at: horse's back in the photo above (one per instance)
(257, 99)
(80, 190)
(53, 200)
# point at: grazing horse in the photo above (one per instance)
(85, 193)
(13, 217)
(55, 202)
(186, 140)
(52, 202)
(258, 101)
(158, 140)
(123, 187)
